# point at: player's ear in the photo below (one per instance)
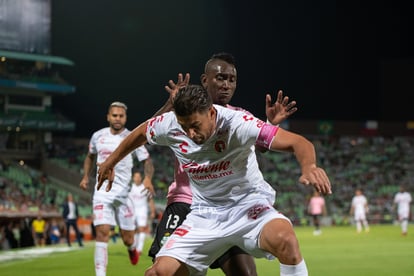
(212, 111)
(203, 80)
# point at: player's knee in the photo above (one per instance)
(128, 240)
(288, 251)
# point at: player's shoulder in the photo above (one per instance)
(101, 132)
(125, 133)
(224, 112)
(238, 108)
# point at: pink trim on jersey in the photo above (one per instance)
(179, 190)
(266, 135)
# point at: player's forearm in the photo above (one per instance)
(87, 165)
(148, 168)
(134, 140)
(305, 154)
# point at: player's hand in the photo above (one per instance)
(317, 178)
(105, 172)
(281, 109)
(173, 87)
(84, 183)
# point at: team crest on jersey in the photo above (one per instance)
(153, 137)
(220, 146)
(256, 210)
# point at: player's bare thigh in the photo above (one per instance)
(279, 238)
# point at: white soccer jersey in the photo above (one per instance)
(103, 143)
(224, 169)
(403, 200)
(359, 203)
(140, 202)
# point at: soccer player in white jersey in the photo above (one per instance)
(111, 207)
(220, 81)
(402, 200)
(143, 206)
(359, 208)
(229, 207)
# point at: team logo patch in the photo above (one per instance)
(220, 146)
(256, 210)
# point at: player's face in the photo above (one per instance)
(117, 118)
(220, 81)
(137, 178)
(199, 126)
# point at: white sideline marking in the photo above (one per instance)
(27, 254)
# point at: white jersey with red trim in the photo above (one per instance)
(139, 197)
(179, 190)
(103, 143)
(224, 169)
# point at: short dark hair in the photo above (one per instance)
(227, 57)
(191, 99)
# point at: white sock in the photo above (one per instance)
(141, 241)
(101, 258)
(404, 226)
(359, 226)
(294, 270)
(136, 240)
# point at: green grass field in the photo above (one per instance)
(338, 251)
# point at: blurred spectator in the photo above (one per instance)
(54, 232)
(70, 215)
(26, 237)
(39, 230)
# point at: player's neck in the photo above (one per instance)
(116, 131)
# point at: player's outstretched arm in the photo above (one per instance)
(281, 109)
(305, 154)
(106, 169)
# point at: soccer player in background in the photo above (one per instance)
(402, 200)
(359, 208)
(143, 206)
(111, 207)
(317, 208)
